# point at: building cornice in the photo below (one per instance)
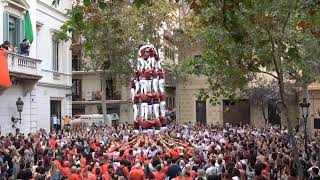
(54, 85)
(99, 102)
(52, 9)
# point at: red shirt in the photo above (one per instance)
(92, 176)
(155, 98)
(136, 174)
(161, 75)
(193, 174)
(58, 164)
(106, 176)
(136, 124)
(133, 84)
(104, 168)
(144, 124)
(137, 74)
(149, 74)
(165, 169)
(150, 99)
(143, 75)
(159, 175)
(156, 57)
(163, 121)
(136, 99)
(157, 123)
(53, 143)
(162, 98)
(145, 98)
(65, 171)
(74, 176)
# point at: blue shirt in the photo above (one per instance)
(24, 49)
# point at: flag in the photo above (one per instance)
(4, 70)
(28, 33)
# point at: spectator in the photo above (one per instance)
(25, 47)
(66, 121)
(137, 173)
(174, 169)
(117, 153)
(7, 46)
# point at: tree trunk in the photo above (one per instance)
(306, 95)
(104, 100)
(264, 115)
(177, 100)
(289, 125)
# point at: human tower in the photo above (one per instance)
(147, 90)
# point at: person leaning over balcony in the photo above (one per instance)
(7, 46)
(25, 47)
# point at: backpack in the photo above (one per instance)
(120, 172)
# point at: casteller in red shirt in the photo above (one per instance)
(136, 124)
(145, 98)
(136, 99)
(163, 121)
(162, 97)
(144, 124)
(157, 124)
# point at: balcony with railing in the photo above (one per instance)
(170, 80)
(23, 66)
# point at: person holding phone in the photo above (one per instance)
(25, 47)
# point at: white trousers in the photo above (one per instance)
(155, 85)
(152, 62)
(144, 86)
(132, 93)
(149, 85)
(156, 109)
(161, 85)
(135, 111)
(150, 110)
(163, 108)
(137, 83)
(144, 110)
(148, 64)
(159, 64)
(141, 64)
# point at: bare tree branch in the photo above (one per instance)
(268, 73)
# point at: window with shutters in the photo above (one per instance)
(13, 29)
(55, 55)
(169, 53)
(76, 90)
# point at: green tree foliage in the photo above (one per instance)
(112, 30)
(243, 39)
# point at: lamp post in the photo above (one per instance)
(19, 105)
(305, 113)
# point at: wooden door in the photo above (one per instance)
(201, 113)
(236, 112)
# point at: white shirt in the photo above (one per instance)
(54, 120)
(212, 170)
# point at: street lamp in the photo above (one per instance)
(19, 105)
(305, 113)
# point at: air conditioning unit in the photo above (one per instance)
(88, 96)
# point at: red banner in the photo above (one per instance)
(4, 71)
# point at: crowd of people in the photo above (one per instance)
(179, 152)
